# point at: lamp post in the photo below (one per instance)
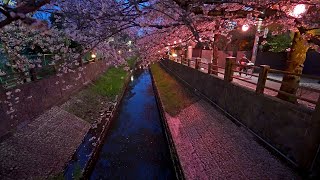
(93, 56)
(256, 41)
(297, 11)
(245, 27)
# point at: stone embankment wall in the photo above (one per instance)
(22, 104)
(286, 126)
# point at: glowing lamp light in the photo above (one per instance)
(130, 50)
(175, 42)
(180, 40)
(131, 78)
(129, 42)
(245, 27)
(119, 52)
(93, 55)
(159, 51)
(299, 10)
(174, 55)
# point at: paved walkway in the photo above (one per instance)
(210, 146)
(43, 147)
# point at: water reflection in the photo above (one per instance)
(135, 147)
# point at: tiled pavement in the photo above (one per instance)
(210, 146)
(43, 147)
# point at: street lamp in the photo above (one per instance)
(298, 10)
(93, 56)
(245, 27)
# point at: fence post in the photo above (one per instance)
(209, 68)
(312, 160)
(197, 63)
(262, 78)
(228, 73)
(33, 74)
(189, 62)
(1, 88)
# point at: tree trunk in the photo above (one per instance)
(290, 83)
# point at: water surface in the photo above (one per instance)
(135, 146)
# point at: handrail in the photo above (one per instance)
(294, 74)
(310, 89)
(274, 80)
(217, 66)
(235, 77)
(291, 95)
(215, 71)
(246, 73)
(301, 87)
(255, 66)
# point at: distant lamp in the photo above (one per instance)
(298, 10)
(119, 52)
(174, 55)
(130, 50)
(93, 56)
(245, 27)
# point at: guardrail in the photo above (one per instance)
(260, 82)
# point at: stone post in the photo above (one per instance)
(262, 78)
(197, 64)
(189, 55)
(228, 73)
(209, 68)
(33, 74)
(1, 89)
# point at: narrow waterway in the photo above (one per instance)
(135, 146)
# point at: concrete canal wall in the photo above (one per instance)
(22, 104)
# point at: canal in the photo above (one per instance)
(135, 146)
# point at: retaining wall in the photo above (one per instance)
(282, 124)
(22, 104)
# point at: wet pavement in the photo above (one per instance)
(41, 149)
(135, 146)
(211, 146)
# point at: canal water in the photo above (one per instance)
(135, 146)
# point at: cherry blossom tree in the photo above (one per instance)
(13, 10)
(154, 24)
(203, 19)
